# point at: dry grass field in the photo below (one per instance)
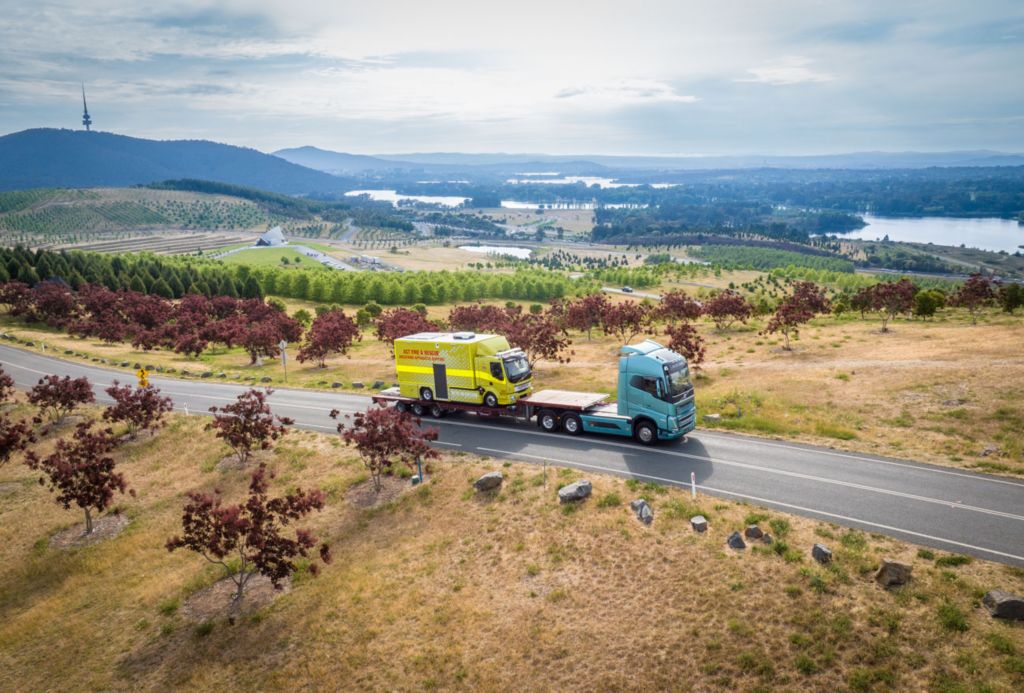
(444, 588)
(574, 221)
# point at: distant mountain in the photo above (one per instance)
(855, 160)
(50, 158)
(339, 162)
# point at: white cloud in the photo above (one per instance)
(786, 71)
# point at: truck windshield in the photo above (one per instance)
(679, 385)
(517, 369)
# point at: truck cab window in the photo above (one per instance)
(496, 371)
(645, 383)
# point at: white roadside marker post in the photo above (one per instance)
(693, 485)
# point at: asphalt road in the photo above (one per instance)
(944, 508)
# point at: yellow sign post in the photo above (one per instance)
(142, 374)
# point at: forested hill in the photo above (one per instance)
(46, 158)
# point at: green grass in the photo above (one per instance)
(270, 257)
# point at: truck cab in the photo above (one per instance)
(654, 386)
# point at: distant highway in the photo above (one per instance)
(949, 509)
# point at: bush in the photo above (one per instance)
(953, 561)
(610, 500)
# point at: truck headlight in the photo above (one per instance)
(672, 423)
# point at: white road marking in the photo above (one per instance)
(765, 501)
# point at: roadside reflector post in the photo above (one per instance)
(282, 345)
(693, 484)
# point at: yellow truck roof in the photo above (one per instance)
(448, 337)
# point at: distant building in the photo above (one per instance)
(272, 237)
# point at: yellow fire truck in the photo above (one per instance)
(462, 367)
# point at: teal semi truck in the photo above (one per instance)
(655, 401)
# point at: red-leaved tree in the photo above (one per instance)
(247, 424)
(538, 335)
(889, 298)
(626, 319)
(15, 436)
(726, 308)
(384, 437)
(586, 313)
(678, 306)
(57, 397)
(974, 294)
(478, 318)
(332, 332)
(81, 471)
(252, 534)
(140, 408)
(400, 322)
(684, 339)
(6, 386)
(806, 301)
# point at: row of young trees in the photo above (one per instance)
(246, 538)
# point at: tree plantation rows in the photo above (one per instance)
(249, 538)
(175, 277)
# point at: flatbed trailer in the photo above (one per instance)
(554, 410)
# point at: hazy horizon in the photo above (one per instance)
(791, 78)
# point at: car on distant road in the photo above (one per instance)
(627, 289)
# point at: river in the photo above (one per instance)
(985, 233)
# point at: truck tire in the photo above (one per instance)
(401, 406)
(548, 420)
(436, 411)
(490, 400)
(572, 424)
(646, 433)
(417, 409)
(426, 394)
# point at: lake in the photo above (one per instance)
(987, 233)
(394, 198)
(521, 253)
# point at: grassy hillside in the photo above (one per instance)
(46, 157)
(443, 588)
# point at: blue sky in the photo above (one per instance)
(648, 77)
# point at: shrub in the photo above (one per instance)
(951, 617)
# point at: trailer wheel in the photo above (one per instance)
(646, 433)
(490, 400)
(401, 406)
(548, 420)
(417, 409)
(436, 411)
(426, 394)
(572, 424)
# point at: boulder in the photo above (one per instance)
(699, 523)
(124, 364)
(222, 375)
(643, 511)
(335, 385)
(893, 573)
(159, 369)
(711, 418)
(575, 491)
(489, 481)
(266, 379)
(735, 541)
(821, 553)
(1004, 605)
(149, 367)
(378, 384)
(767, 539)
(137, 366)
(185, 373)
(753, 532)
(206, 374)
(68, 352)
(357, 386)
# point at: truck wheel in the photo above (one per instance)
(572, 424)
(401, 406)
(417, 409)
(646, 433)
(426, 394)
(548, 420)
(490, 400)
(436, 411)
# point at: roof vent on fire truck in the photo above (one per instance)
(464, 335)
